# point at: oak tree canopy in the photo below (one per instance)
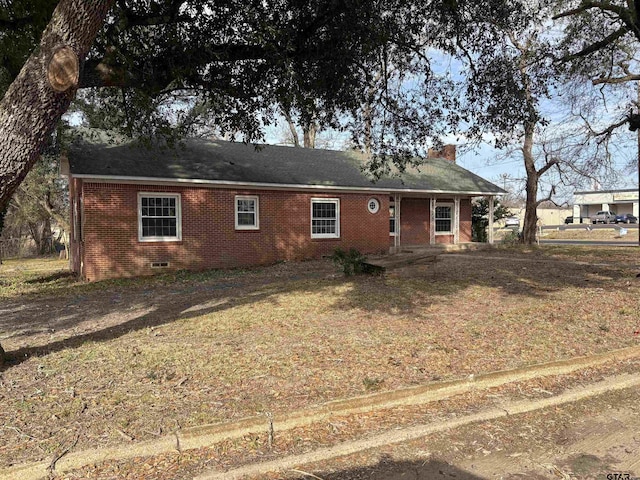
(149, 66)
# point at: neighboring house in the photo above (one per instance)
(214, 204)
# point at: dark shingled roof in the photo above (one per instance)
(219, 162)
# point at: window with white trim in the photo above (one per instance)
(247, 208)
(325, 218)
(444, 218)
(159, 217)
(373, 205)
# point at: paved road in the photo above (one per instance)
(612, 243)
(598, 226)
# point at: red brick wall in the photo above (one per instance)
(209, 237)
(414, 221)
(465, 220)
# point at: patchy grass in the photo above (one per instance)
(33, 275)
(129, 360)
(49, 275)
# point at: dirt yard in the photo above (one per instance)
(588, 439)
(122, 361)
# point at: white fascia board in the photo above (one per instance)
(261, 186)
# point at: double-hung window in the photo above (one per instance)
(325, 218)
(247, 212)
(444, 219)
(159, 217)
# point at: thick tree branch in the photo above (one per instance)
(549, 163)
(549, 197)
(51, 210)
(31, 108)
(15, 23)
(594, 47)
(106, 72)
(607, 132)
(169, 17)
(586, 5)
(616, 80)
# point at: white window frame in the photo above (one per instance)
(158, 238)
(335, 201)
(256, 212)
(377, 205)
(452, 219)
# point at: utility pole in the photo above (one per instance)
(638, 133)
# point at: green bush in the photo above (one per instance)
(351, 262)
(512, 238)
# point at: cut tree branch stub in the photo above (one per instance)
(63, 69)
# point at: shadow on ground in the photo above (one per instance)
(389, 469)
(39, 325)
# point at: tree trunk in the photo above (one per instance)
(33, 104)
(292, 127)
(3, 212)
(34, 231)
(638, 152)
(47, 237)
(530, 214)
(367, 115)
(61, 220)
(309, 135)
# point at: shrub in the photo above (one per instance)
(351, 262)
(512, 238)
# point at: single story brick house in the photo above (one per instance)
(216, 204)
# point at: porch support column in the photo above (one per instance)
(396, 239)
(456, 220)
(432, 221)
(490, 226)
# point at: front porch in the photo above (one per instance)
(417, 221)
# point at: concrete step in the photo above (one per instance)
(440, 248)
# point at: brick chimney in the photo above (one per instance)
(448, 152)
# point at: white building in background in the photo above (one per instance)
(586, 204)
